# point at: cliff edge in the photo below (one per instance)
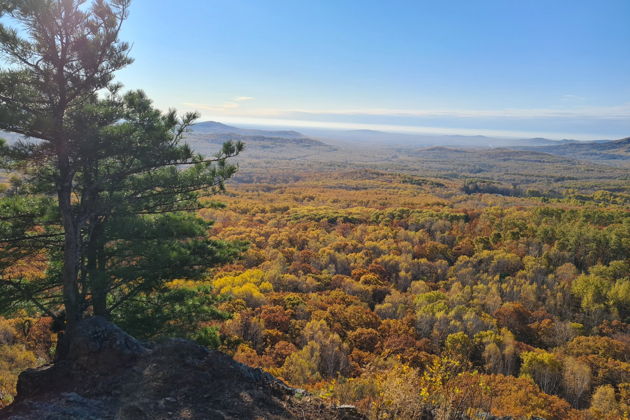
(107, 374)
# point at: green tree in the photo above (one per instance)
(178, 309)
(104, 177)
(459, 346)
(57, 58)
(302, 367)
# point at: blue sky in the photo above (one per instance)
(550, 68)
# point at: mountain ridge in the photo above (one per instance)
(216, 127)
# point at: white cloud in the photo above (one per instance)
(226, 107)
(572, 98)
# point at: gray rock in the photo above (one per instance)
(105, 374)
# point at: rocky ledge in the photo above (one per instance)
(107, 374)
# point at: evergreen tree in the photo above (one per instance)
(106, 185)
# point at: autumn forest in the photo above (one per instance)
(446, 279)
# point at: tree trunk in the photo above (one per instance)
(99, 288)
(71, 249)
(98, 275)
(99, 297)
(71, 257)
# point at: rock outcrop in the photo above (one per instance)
(107, 374)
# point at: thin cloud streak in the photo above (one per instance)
(225, 107)
(613, 112)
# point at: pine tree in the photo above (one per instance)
(106, 188)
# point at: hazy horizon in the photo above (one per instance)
(313, 127)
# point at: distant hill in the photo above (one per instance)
(491, 156)
(375, 138)
(214, 127)
(534, 168)
(12, 138)
(615, 152)
(390, 139)
(541, 141)
(206, 137)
